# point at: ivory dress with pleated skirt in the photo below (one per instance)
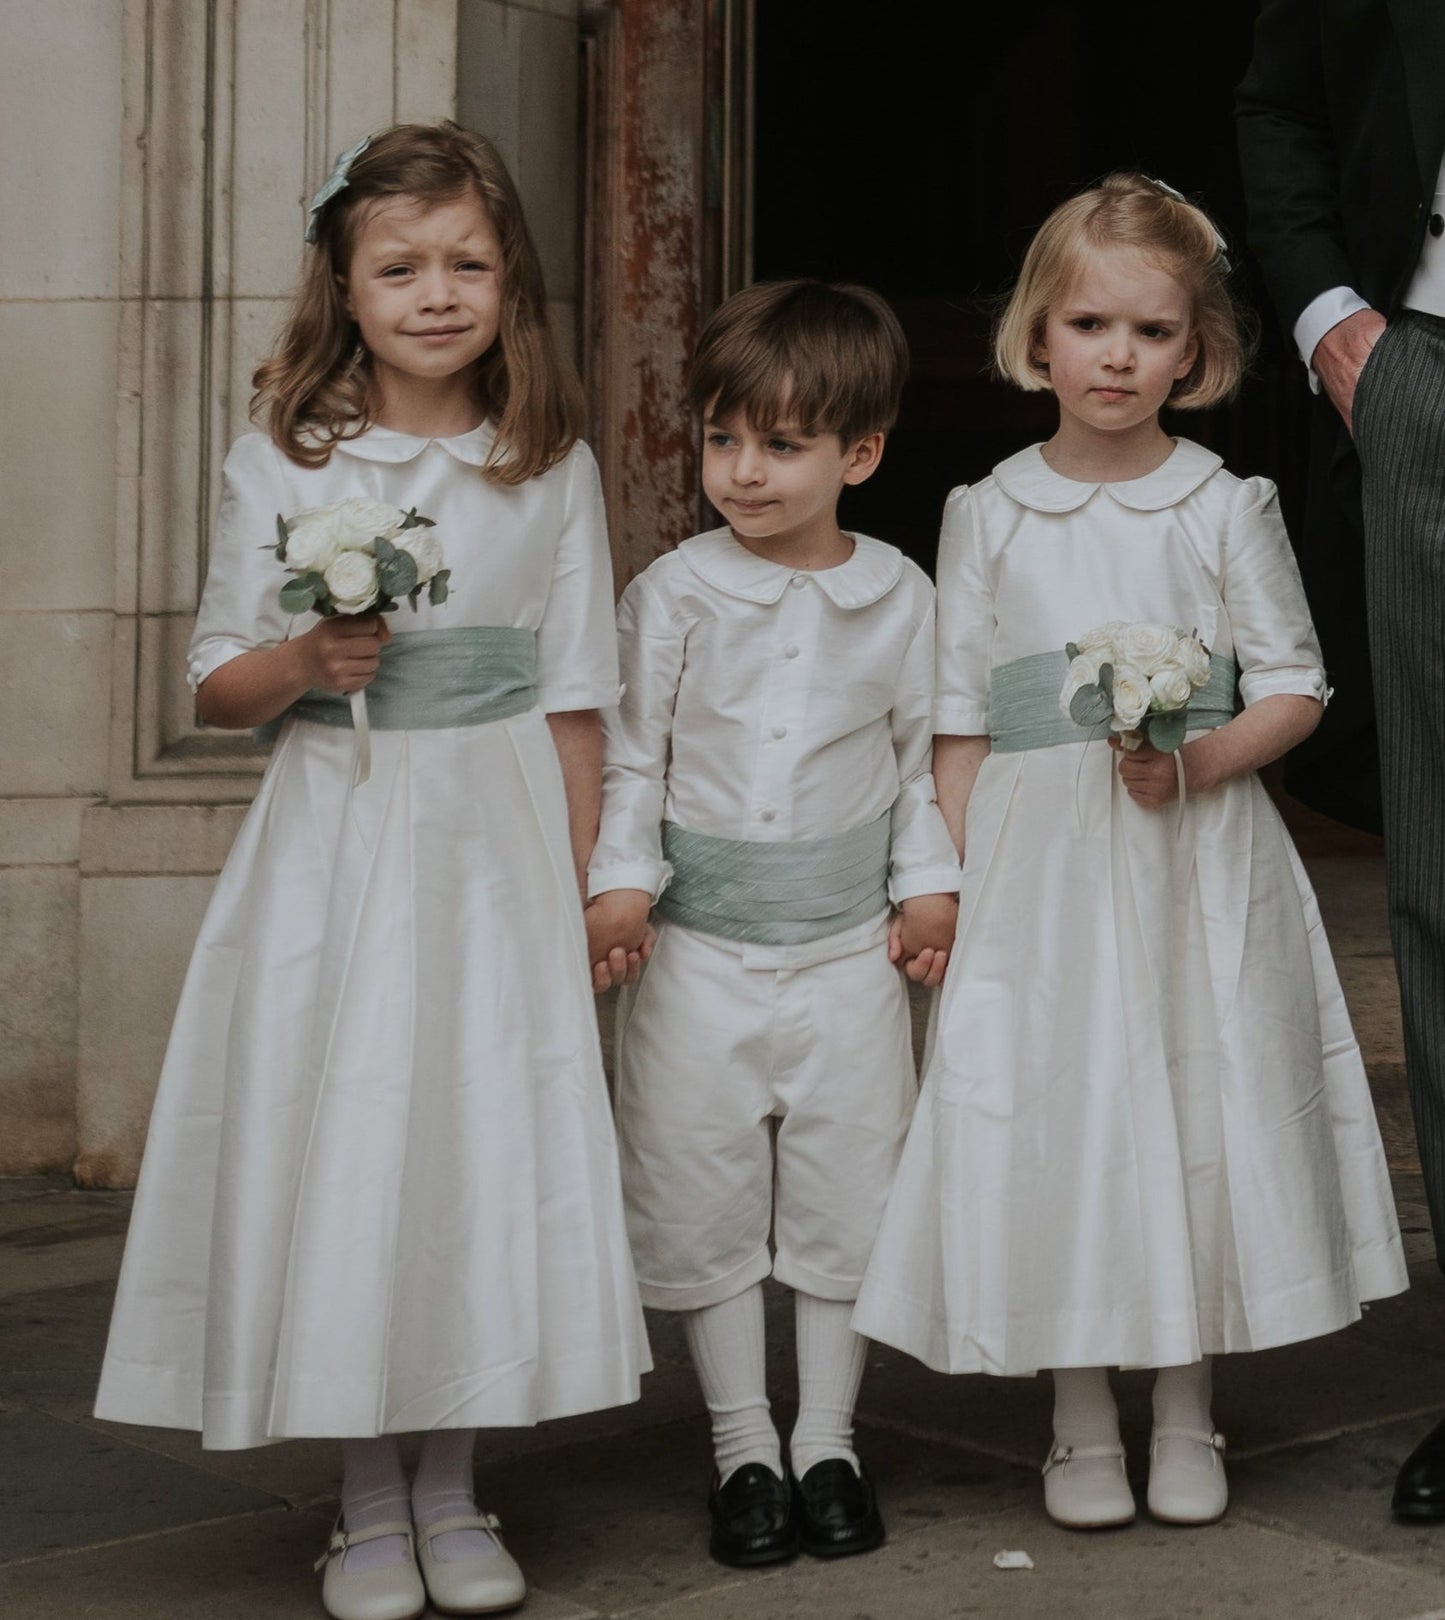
(1144, 1133)
(380, 1190)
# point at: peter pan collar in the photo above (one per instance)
(382, 444)
(1029, 480)
(716, 557)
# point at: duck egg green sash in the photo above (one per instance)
(776, 894)
(1023, 703)
(430, 680)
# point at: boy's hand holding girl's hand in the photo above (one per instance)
(921, 936)
(342, 654)
(619, 936)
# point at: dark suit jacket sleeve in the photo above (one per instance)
(1288, 154)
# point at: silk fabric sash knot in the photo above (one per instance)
(779, 893)
(1023, 703)
(430, 680)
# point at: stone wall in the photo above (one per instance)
(158, 158)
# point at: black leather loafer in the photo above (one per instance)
(836, 1510)
(752, 1518)
(1420, 1484)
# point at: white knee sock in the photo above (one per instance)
(727, 1346)
(443, 1489)
(1084, 1409)
(830, 1369)
(1182, 1397)
(373, 1491)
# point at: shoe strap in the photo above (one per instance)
(1063, 1454)
(342, 1539)
(487, 1523)
(1204, 1437)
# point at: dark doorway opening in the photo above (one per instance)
(915, 147)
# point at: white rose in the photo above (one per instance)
(1105, 638)
(1131, 697)
(351, 579)
(1083, 671)
(1148, 647)
(424, 549)
(312, 540)
(1171, 688)
(1194, 660)
(359, 523)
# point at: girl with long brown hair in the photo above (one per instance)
(380, 1190)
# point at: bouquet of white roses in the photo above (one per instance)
(354, 557)
(1139, 678)
(358, 556)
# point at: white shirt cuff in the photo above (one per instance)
(1318, 317)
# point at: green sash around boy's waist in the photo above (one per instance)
(430, 680)
(780, 893)
(1023, 703)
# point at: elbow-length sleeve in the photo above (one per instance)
(240, 606)
(1275, 645)
(922, 859)
(577, 638)
(637, 747)
(965, 623)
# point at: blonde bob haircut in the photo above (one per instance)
(1130, 210)
(827, 356)
(318, 388)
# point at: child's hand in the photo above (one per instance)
(343, 654)
(1149, 777)
(619, 936)
(921, 936)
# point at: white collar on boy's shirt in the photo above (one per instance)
(1029, 480)
(716, 557)
(384, 444)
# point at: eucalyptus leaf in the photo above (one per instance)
(412, 520)
(385, 551)
(1106, 680)
(282, 536)
(1090, 706)
(297, 596)
(1166, 731)
(437, 591)
(397, 575)
(1071, 650)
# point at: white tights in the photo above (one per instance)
(374, 1491)
(1085, 1413)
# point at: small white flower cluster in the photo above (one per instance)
(1124, 673)
(358, 556)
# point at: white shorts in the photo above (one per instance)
(754, 1102)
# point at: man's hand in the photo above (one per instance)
(1340, 357)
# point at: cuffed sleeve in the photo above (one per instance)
(965, 624)
(577, 639)
(922, 859)
(1275, 645)
(637, 746)
(240, 607)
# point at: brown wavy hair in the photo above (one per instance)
(1131, 210)
(317, 388)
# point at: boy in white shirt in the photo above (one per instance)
(767, 787)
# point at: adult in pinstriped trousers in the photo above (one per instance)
(1342, 143)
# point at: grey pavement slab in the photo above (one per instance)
(54, 1236)
(66, 1486)
(1145, 1572)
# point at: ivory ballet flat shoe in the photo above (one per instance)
(487, 1585)
(1187, 1484)
(1086, 1488)
(393, 1592)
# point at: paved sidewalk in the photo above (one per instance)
(605, 1513)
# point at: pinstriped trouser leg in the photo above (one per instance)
(1400, 433)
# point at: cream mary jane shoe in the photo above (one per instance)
(470, 1585)
(392, 1593)
(1186, 1476)
(1086, 1488)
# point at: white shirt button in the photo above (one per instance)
(797, 582)
(791, 650)
(780, 731)
(768, 815)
